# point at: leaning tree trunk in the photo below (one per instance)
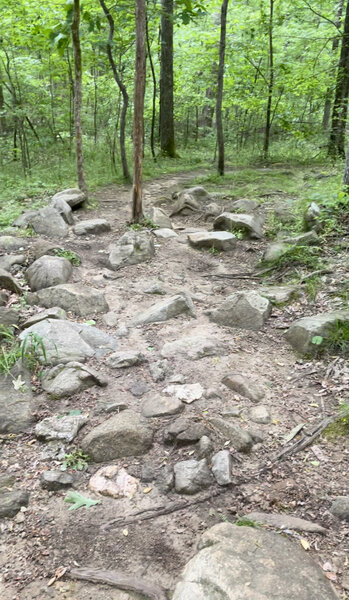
(138, 111)
(219, 123)
(75, 29)
(270, 82)
(340, 104)
(167, 136)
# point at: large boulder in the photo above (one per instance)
(8, 317)
(7, 261)
(134, 247)
(72, 196)
(92, 226)
(247, 563)
(125, 434)
(250, 224)
(167, 309)
(219, 240)
(194, 347)
(63, 208)
(7, 282)
(82, 300)
(302, 332)
(48, 221)
(10, 243)
(192, 476)
(15, 404)
(65, 380)
(247, 310)
(48, 271)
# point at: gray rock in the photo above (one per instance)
(234, 411)
(194, 347)
(219, 240)
(257, 435)
(159, 370)
(82, 300)
(303, 239)
(250, 224)
(243, 562)
(340, 508)
(279, 294)
(212, 210)
(165, 480)
(277, 249)
(167, 309)
(192, 476)
(7, 282)
(110, 319)
(246, 310)
(177, 378)
(244, 386)
(92, 226)
(124, 434)
(9, 260)
(188, 201)
(121, 360)
(3, 298)
(72, 196)
(6, 482)
(48, 271)
(197, 192)
(165, 234)
(187, 393)
(56, 480)
(11, 502)
(184, 430)
(63, 208)
(221, 467)
(274, 251)
(159, 217)
(134, 247)
(301, 332)
(205, 447)
(284, 521)
(48, 221)
(10, 243)
(138, 388)
(161, 407)
(244, 204)
(260, 414)
(8, 317)
(284, 212)
(60, 428)
(65, 380)
(15, 405)
(312, 217)
(239, 438)
(50, 313)
(155, 288)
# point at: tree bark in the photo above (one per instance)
(335, 44)
(138, 111)
(75, 29)
(270, 83)
(153, 112)
(219, 123)
(167, 136)
(340, 104)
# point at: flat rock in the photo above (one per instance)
(340, 508)
(7, 282)
(219, 240)
(167, 309)
(124, 434)
(279, 294)
(279, 248)
(54, 481)
(60, 428)
(48, 271)
(12, 502)
(184, 430)
(72, 196)
(9, 260)
(64, 380)
(82, 300)
(92, 226)
(48, 221)
(222, 467)
(244, 204)
(250, 224)
(50, 313)
(284, 521)
(156, 289)
(15, 405)
(188, 392)
(10, 243)
(244, 386)
(113, 481)
(238, 437)
(301, 332)
(134, 247)
(121, 360)
(161, 407)
(192, 476)
(243, 562)
(194, 347)
(63, 208)
(159, 217)
(260, 414)
(165, 233)
(8, 317)
(246, 310)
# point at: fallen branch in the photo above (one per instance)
(121, 580)
(252, 275)
(305, 441)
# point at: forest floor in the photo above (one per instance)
(48, 536)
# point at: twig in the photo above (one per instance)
(252, 275)
(121, 580)
(305, 441)
(310, 275)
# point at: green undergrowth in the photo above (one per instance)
(73, 258)
(340, 427)
(31, 351)
(336, 341)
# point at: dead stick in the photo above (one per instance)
(305, 442)
(121, 580)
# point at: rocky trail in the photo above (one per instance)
(162, 433)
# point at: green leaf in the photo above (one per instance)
(317, 340)
(91, 322)
(74, 412)
(78, 501)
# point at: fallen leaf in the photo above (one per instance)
(305, 544)
(147, 490)
(125, 532)
(327, 566)
(331, 576)
(289, 436)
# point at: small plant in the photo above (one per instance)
(312, 286)
(244, 522)
(76, 460)
(33, 351)
(336, 340)
(77, 500)
(341, 425)
(145, 222)
(73, 258)
(213, 250)
(10, 350)
(305, 256)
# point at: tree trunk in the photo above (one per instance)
(75, 29)
(167, 136)
(270, 83)
(346, 174)
(335, 43)
(122, 88)
(340, 104)
(219, 123)
(153, 112)
(138, 111)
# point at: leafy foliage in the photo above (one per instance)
(73, 258)
(78, 501)
(76, 460)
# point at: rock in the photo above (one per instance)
(50, 313)
(82, 300)
(205, 447)
(161, 407)
(48, 221)
(284, 521)
(8, 317)
(165, 234)
(110, 407)
(212, 210)
(274, 251)
(303, 239)
(246, 310)
(63, 208)
(48, 271)
(312, 217)
(244, 386)
(10, 243)
(260, 414)
(60, 428)
(110, 319)
(155, 288)
(188, 393)
(66, 341)
(257, 435)
(72, 196)
(125, 434)
(92, 226)
(340, 508)
(138, 388)
(159, 370)
(250, 224)
(188, 201)
(9, 260)
(213, 392)
(12, 502)
(219, 240)
(192, 476)
(279, 294)
(6, 482)
(121, 360)
(134, 247)
(65, 380)
(234, 411)
(194, 347)
(184, 430)
(244, 204)
(221, 467)
(54, 481)
(197, 192)
(3, 298)
(301, 332)
(284, 212)
(177, 378)
(159, 217)
(239, 438)
(7, 282)
(165, 480)
(15, 405)
(167, 309)
(243, 562)
(277, 249)
(113, 481)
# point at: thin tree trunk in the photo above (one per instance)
(2, 109)
(328, 96)
(270, 83)
(346, 174)
(167, 135)
(75, 29)
(219, 123)
(153, 112)
(138, 111)
(340, 104)
(122, 88)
